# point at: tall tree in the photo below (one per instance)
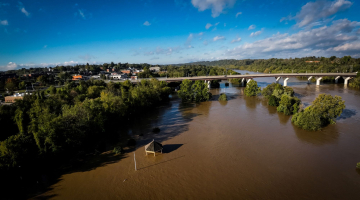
(252, 88)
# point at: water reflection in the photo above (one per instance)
(223, 103)
(251, 102)
(271, 109)
(328, 135)
(347, 113)
(282, 117)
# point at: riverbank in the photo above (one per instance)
(240, 149)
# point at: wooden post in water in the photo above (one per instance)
(135, 161)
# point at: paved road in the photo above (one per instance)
(249, 76)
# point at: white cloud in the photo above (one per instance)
(189, 39)
(251, 27)
(81, 13)
(253, 34)
(237, 14)
(237, 39)
(9, 66)
(224, 24)
(205, 42)
(12, 65)
(146, 23)
(216, 38)
(338, 39)
(208, 25)
(348, 47)
(69, 63)
(318, 10)
(23, 10)
(4, 22)
(45, 46)
(149, 53)
(216, 6)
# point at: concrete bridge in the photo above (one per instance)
(248, 77)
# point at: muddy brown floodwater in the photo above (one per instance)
(240, 149)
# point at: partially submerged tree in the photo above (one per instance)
(197, 91)
(222, 97)
(252, 89)
(323, 111)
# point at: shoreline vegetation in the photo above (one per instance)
(42, 131)
(54, 127)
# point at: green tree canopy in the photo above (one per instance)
(252, 89)
(323, 111)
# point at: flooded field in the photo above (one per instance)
(240, 149)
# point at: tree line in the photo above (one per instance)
(52, 127)
(295, 65)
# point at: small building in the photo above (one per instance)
(80, 77)
(153, 147)
(11, 99)
(77, 77)
(125, 71)
(134, 78)
(119, 76)
(154, 69)
(312, 61)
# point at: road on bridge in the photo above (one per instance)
(248, 76)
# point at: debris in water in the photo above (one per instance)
(124, 180)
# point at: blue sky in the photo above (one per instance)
(47, 33)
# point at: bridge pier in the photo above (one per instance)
(309, 79)
(208, 84)
(285, 81)
(277, 79)
(337, 79)
(243, 82)
(318, 80)
(346, 80)
(248, 80)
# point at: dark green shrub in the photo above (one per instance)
(323, 111)
(273, 101)
(288, 105)
(222, 97)
(358, 165)
(118, 150)
(215, 84)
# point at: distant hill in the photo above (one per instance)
(222, 62)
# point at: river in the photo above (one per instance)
(240, 149)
